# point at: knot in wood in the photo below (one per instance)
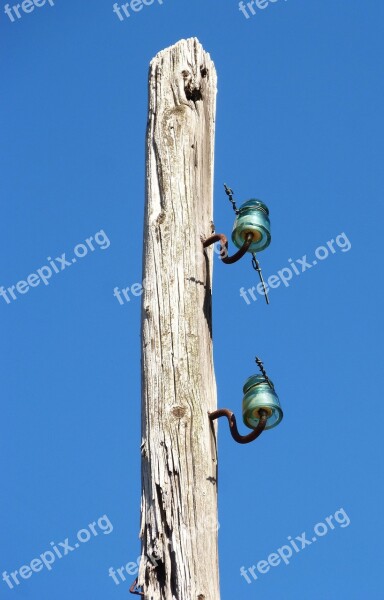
(179, 411)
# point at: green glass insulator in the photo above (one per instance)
(253, 218)
(259, 395)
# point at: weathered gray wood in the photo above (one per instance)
(179, 497)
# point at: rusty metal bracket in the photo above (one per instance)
(241, 439)
(133, 589)
(220, 237)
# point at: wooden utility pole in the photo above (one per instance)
(179, 494)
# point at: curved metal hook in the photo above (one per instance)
(241, 439)
(220, 237)
(133, 589)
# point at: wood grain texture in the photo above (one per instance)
(179, 462)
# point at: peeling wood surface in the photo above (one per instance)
(179, 462)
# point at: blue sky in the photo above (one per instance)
(299, 125)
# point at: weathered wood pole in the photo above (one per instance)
(179, 495)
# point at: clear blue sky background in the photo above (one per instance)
(299, 125)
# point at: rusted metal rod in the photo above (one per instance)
(134, 590)
(220, 237)
(241, 439)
